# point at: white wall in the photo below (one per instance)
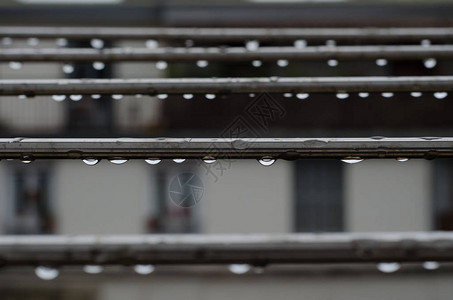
(132, 113)
(341, 287)
(248, 198)
(386, 195)
(102, 199)
(34, 114)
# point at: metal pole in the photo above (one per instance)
(231, 34)
(226, 85)
(237, 148)
(226, 54)
(256, 249)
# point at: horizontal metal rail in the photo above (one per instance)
(257, 250)
(226, 54)
(231, 34)
(240, 148)
(226, 85)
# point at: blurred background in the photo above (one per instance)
(69, 197)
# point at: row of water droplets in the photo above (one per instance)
(429, 63)
(265, 161)
(384, 267)
(302, 96)
(50, 273)
(344, 95)
(252, 45)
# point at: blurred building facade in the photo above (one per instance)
(70, 197)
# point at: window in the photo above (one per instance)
(84, 116)
(443, 194)
(319, 196)
(174, 201)
(30, 208)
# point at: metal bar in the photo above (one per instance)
(231, 34)
(226, 54)
(241, 148)
(226, 85)
(256, 249)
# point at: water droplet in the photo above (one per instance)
(67, 68)
(179, 160)
(118, 160)
(363, 95)
(93, 269)
(430, 63)
(202, 63)
(75, 97)
(187, 96)
(274, 78)
(239, 268)
(22, 97)
(342, 95)
(388, 267)
(33, 41)
(144, 269)
(252, 45)
(252, 95)
(90, 161)
(117, 96)
(267, 161)
(96, 96)
(210, 96)
(61, 42)
(440, 95)
(402, 159)
(15, 65)
(331, 43)
(299, 44)
(416, 94)
(425, 43)
(98, 65)
(352, 160)
(257, 63)
(97, 43)
(381, 62)
(26, 159)
(161, 65)
(287, 95)
(431, 265)
(162, 96)
(7, 41)
(282, 63)
(189, 43)
(387, 95)
(152, 44)
(46, 273)
(138, 95)
(209, 159)
(302, 96)
(332, 62)
(153, 161)
(59, 98)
